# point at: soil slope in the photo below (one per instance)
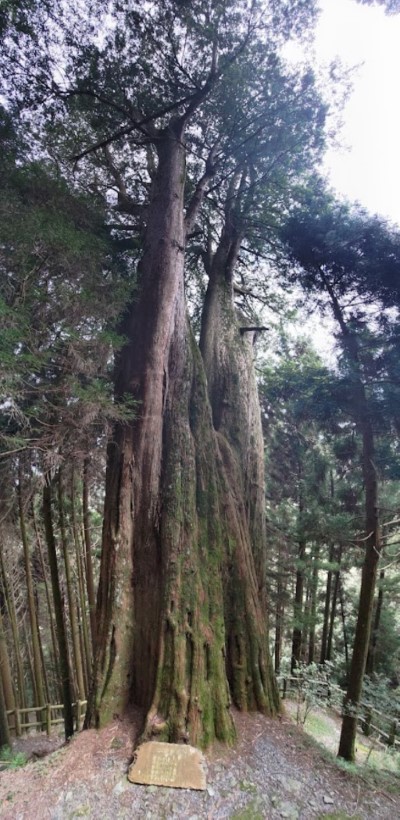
(274, 771)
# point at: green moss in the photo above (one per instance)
(250, 812)
(339, 815)
(247, 786)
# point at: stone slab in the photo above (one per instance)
(168, 764)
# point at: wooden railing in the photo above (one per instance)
(371, 720)
(44, 717)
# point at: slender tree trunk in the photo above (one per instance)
(86, 654)
(88, 550)
(371, 658)
(72, 607)
(364, 618)
(279, 615)
(298, 607)
(327, 609)
(4, 730)
(313, 606)
(372, 545)
(12, 616)
(333, 614)
(344, 627)
(32, 609)
(58, 610)
(6, 677)
(48, 601)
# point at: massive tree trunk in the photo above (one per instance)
(161, 638)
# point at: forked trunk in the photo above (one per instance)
(161, 639)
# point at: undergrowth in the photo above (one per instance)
(12, 760)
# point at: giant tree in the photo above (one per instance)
(180, 611)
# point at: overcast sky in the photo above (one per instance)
(369, 168)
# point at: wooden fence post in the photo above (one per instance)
(366, 721)
(48, 719)
(17, 722)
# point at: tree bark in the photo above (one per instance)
(72, 606)
(88, 550)
(161, 607)
(228, 358)
(4, 730)
(298, 607)
(313, 606)
(370, 667)
(327, 609)
(372, 541)
(333, 613)
(32, 608)
(12, 616)
(58, 611)
(5, 675)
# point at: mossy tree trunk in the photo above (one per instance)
(163, 611)
(228, 355)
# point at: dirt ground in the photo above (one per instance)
(274, 771)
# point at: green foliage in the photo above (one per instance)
(56, 338)
(12, 760)
(312, 687)
(379, 693)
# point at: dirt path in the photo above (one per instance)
(273, 772)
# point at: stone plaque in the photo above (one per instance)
(168, 764)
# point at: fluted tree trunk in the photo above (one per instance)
(228, 354)
(176, 519)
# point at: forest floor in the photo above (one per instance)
(275, 771)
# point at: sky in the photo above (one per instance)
(367, 166)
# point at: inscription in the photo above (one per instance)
(168, 764)
(164, 765)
